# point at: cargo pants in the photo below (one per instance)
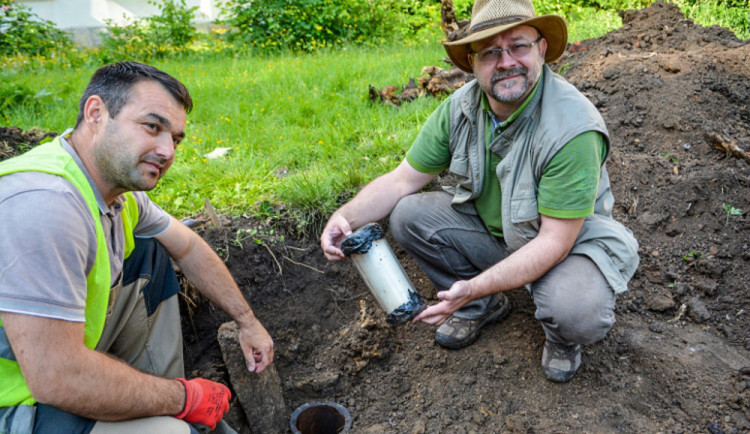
(574, 302)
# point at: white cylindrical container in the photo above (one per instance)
(383, 274)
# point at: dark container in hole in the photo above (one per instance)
(321, 418)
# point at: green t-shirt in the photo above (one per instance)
(569, 183)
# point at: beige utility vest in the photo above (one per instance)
(557, 113)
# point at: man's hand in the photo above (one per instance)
(257, 346)
(375, 201)
(337, 229)
(206, 402)
(453, 299)
(211, 277)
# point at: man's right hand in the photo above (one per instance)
(336, 230)
(206, 402)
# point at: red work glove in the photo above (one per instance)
(205, 402)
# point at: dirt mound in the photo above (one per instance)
(669, 90)
(15, 141)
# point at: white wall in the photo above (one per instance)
(85, 18)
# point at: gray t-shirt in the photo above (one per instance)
(48, 241)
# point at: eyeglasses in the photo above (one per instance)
(516, 51)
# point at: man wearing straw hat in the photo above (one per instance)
(532, 205)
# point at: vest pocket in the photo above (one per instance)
(460, 168)
(523, 209)
(460, 165)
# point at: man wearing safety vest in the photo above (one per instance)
(90, 338)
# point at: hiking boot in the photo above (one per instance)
(457, 333)
(560, 361)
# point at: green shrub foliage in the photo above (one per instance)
(158, 35)
(24, 32)
(311, 24)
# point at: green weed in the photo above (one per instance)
(693, 256)
(730, 211)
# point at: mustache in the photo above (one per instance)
(154, 160)
(499, 75)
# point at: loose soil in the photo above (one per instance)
(678, 359)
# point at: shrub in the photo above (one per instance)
(168, 32)
(734, 14)
(24, 32)
(173, 25)
(311, 24)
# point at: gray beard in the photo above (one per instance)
(515, 96)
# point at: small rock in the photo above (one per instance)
(671, 65)
(680, 289)
(672, 273)
(728, 331)
(419, 427)
(740, 421)
(656, 327)
(611, 73)
(698, 311)
(376, 429)
(673, 229)
(477, 418)
(714, 429)
(741, 386)
(652, 219)
(660, 302)
(709, 288)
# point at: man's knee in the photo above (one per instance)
(403, 213)
(575, 302)
(160, 424)
(416, 216)
(582, 323)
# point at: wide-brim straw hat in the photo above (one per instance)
(491, 17)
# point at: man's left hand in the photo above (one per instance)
(451, 300)
(257, 346)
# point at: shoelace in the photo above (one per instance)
(563, 352)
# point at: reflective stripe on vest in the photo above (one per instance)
(51, 158)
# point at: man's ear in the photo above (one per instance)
(471, 60)
(543, 48)
(94, 111)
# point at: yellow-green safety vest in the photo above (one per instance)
(53, 159)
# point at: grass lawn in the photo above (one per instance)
(301, 129)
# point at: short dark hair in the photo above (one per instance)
(113, 83)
